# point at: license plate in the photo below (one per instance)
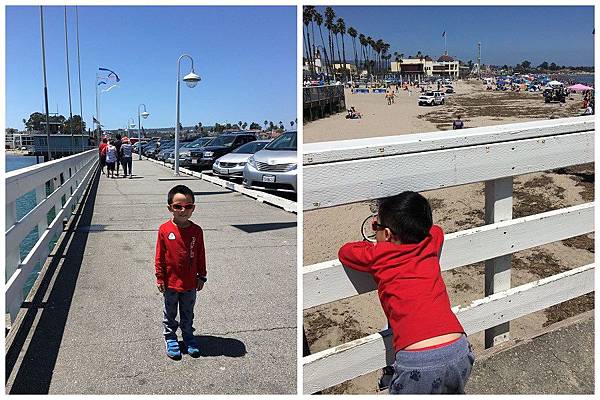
(221, 171)
(268, 178)
(194, 161)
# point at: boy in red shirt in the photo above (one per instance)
(180, 270)
(432, 351)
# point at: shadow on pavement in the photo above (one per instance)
(253, 228)
(34, 373)
(214, 346)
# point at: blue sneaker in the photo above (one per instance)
(192, 349)
(173, 349)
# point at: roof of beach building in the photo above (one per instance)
(445, 58)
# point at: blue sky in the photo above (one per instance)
(508, 35)
(246, 57)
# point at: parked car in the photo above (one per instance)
(233, 164)
(449, 89)
(204, 157)
(275, 166)
(431, 98)
(164, 153)
(184, 151)
(185, 156)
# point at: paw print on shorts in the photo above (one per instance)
(415, 375)
(436, 383)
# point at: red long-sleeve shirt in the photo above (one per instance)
(410, 285)
(180, 257)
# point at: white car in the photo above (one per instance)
(232, 164)
(431, 98)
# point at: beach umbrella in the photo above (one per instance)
(579, 88)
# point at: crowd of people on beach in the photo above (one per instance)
(114, 153)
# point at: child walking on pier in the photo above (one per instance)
(432, 351)
(180, 270)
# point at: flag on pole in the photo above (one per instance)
(112, 73)
(106, 90)
(95, 121)
(444, 34)
(102, 83)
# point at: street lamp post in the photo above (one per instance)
(191, 80)
(130, 124)
(145, 115)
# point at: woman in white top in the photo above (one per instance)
(111, 159)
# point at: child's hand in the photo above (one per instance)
(200, 285)
(161, 287)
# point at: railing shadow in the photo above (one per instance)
(34, 373)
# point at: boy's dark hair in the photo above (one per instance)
(182, 189)
(407, 215)
(118, 136)
(104, 140)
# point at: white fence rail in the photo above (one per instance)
(66, 179)
(343, 172)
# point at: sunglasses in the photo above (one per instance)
(179, 207)
(376, 226)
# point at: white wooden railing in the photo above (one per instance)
(348, 171)
(66, 178)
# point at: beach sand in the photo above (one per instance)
(454, 209)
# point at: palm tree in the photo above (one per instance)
(319, 20)
(307, 18)
(363, 47)
(265, 123)
(329, 16)
(341, 25)
(353, 33)
(335, 29)
(292, 124)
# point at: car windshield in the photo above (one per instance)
(250, 148)
(197, 143)
(224, 140)
(287, 141)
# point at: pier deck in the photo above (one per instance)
(93, 325)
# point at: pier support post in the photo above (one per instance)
(498, 207)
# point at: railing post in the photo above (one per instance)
(40, 194)
(13, 256)
(498, 207)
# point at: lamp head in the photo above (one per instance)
(191, 79)
(145, 114)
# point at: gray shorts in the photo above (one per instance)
(441, 370)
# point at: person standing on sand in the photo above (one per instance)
(458, 123)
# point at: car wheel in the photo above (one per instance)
(442, 101)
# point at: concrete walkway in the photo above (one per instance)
(557, 361)
(94, 325)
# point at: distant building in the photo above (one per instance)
(417, 68)
(446, 67)
(19, 139)
(413, 69)
(340, 67)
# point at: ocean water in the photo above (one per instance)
(25, 204)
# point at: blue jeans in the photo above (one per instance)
(126, 165)
(185, 301)
(441, 370)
